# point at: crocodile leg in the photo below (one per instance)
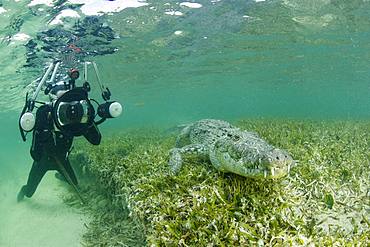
(175, 162)
(183, 139)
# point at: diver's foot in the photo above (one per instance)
(60, 177)
(20, 195)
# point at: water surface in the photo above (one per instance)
(174, 64)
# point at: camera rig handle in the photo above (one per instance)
(105, 92)
(50, 82)
(55, 66)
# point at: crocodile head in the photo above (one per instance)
(249, 160)
(276, 163)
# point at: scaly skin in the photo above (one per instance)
(230, 149)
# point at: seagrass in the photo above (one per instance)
(324, 200)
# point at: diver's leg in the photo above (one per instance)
(38, 170)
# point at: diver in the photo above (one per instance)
(68, 113)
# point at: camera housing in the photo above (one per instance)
(73, 112)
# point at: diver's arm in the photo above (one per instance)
(92, 134)
(100, 121)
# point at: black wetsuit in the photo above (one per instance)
(50, 150)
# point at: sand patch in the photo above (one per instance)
(43, 220)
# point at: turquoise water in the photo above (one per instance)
(233, 59)
(226, 59)
(226, 65)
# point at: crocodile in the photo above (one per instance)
(230, 150)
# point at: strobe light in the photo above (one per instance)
(27, 121)
(110, 109)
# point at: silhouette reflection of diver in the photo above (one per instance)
(69, 113)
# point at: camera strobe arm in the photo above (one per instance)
(86, 84)
(41, 83)
(109, 109)
(27, 119)
(52, 79)
(104, 90)
(85, 71)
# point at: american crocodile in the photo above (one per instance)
(230, 149)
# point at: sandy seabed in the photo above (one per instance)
(43, 220)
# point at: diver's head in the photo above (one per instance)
(58, 89)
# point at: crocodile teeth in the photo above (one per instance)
(288, 168)
(265, 173)
(272, 172)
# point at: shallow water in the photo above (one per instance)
(174, 64)
(43, 221)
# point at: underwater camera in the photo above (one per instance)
(72, 110)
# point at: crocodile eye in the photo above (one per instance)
(277, 157)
